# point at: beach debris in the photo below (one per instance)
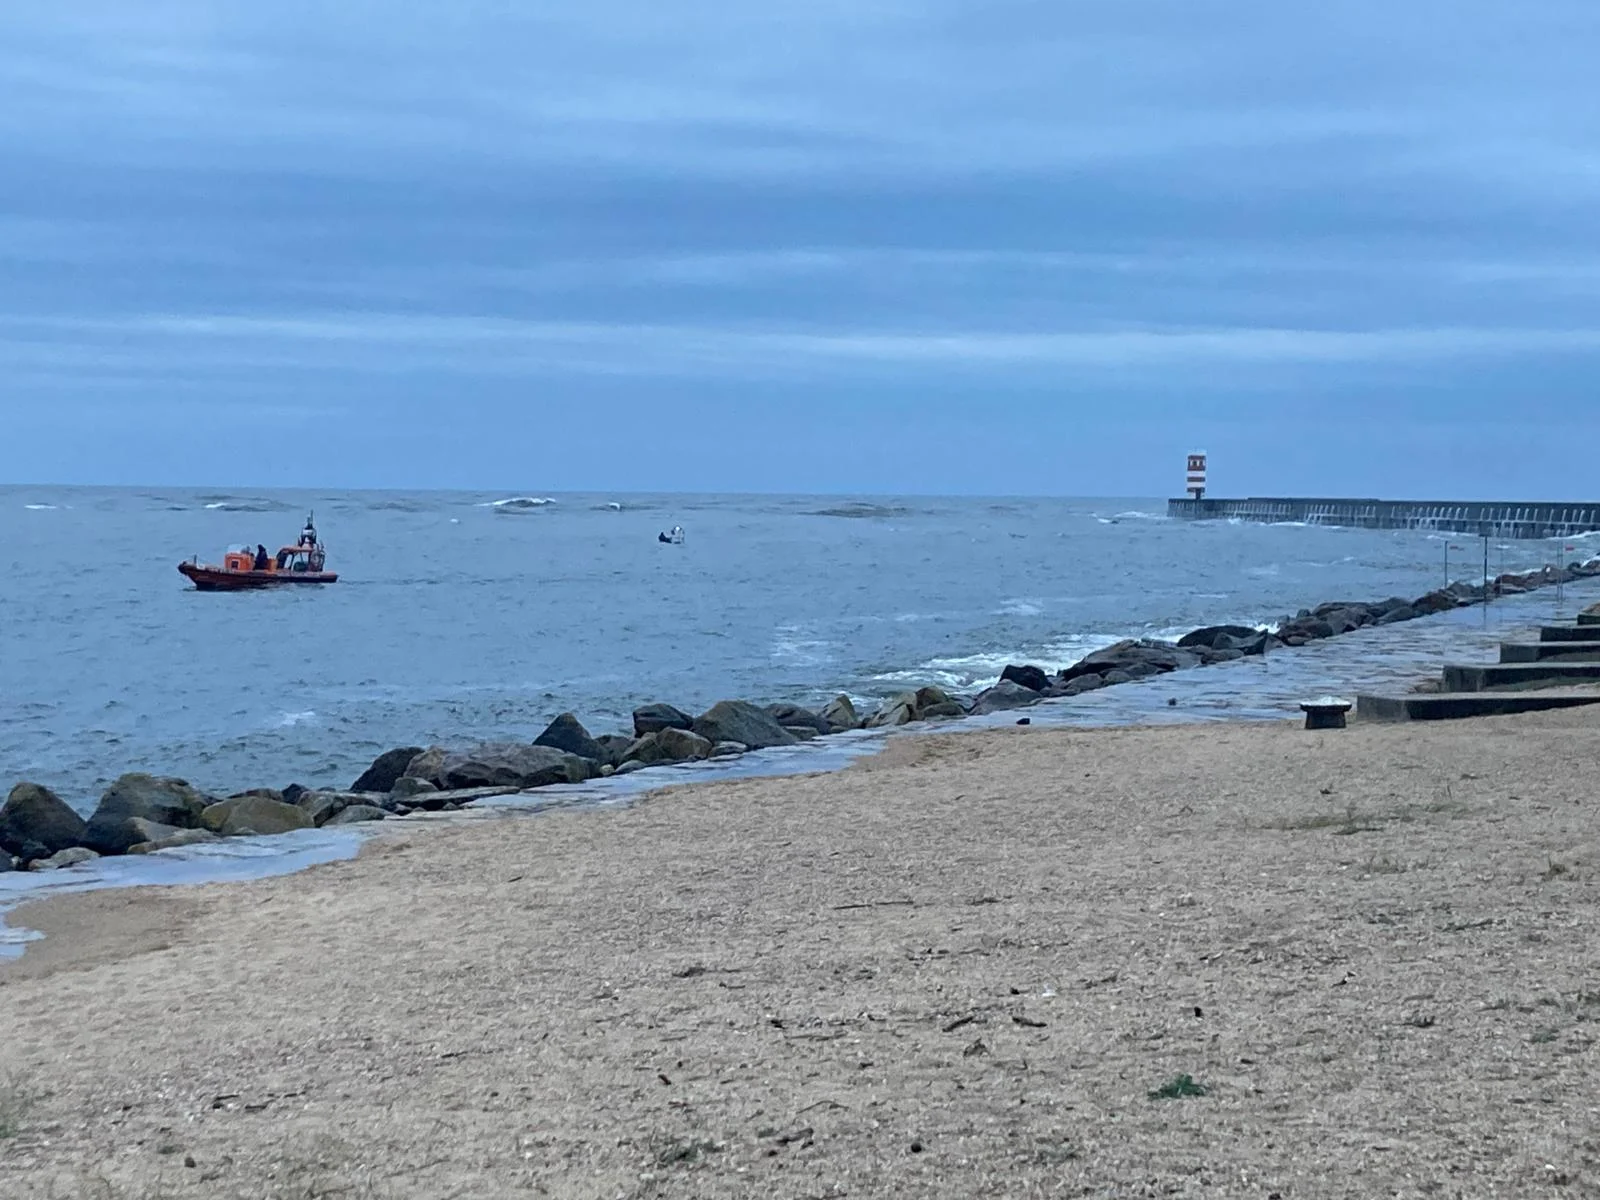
(960, 1022)
(975, 1050)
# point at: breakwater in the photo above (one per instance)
(1505, 519)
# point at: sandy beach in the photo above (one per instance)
(970, 966)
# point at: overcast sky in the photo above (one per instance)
(803, 245)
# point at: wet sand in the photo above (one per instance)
(958, 969)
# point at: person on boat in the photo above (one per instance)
(262, 560)
(308, 535)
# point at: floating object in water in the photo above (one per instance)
(303, 562)
(673, 537)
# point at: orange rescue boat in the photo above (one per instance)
(304, 562)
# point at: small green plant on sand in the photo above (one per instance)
(17, 1099)
(1179, 1087)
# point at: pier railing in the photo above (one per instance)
(1496, 519)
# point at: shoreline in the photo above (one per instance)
(141, 813)
(1375, 656)
(963, 965)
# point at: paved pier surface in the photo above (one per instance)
(1510, 519)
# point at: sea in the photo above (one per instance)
(462, 617)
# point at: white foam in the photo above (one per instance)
(289, 720)
(40, 507)
(514, 503)
(1021, 607)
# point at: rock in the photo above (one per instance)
(729, 749)
(803, 733)
(668, 746)
(1032, 678)
(1254, 642)
(1435, 602)
(1384, 607)
(292, 793)
(1084, 683)
(385, 769)
(840, 714)
(1207, 637)
(567, 733)
(503, 764)
(1117, 675)
(180, 837)
(357, 813)
(408, 786)
(792, 715)
(924, 704)
(1222, 656)
(7, 863)
(1347, 619)
(164, 801)
(425, 766)
(1396, 615)
(607, 770)
(322, 807)
(72, 856)
(262, 793)
(896, 710)
(739, 721)
(1007, 694)
(632, 765)
(1137, 658)
(254, 815)
(152, 831)
(614, 746)
(1309, 628)
(653, 718)
(36, 823)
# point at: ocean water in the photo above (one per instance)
(464, 617)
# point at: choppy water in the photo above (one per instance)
(458, 619)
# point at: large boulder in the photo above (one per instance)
(385, 769)
(1435, 602)
(139, 796)
(668, 746)
(1347, 619)
(358, 813)
(792, 715)
(1134, 658)
(322, 807)
(407, 787)
(1254, 642)
(567, 733)
(1208, 636)
(178, 837)
(924, 704)
(1032, 678)
(740, 721)
(840, 714)
(500, 764)
(1003, 696)
(613, 746)
(254, 815)
(72, 856)
(35, 823)
(1395, 615)
(653, 718)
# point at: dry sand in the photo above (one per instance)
(959, 969)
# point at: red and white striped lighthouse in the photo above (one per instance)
(1197, 475)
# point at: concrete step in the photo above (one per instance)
(1530, 652)
(1568, 633)
(1495, 677)
(1451, 706)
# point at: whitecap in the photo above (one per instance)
(515, 504)
(289, 720)
(1020, 608)
(40, 507)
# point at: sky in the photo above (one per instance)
(862, 246)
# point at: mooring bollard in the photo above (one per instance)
(1325, 713)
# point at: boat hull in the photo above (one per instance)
(219, 579)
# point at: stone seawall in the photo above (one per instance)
(1506, 519)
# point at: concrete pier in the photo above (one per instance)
(1503, 519)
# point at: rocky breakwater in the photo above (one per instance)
(140, 814)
